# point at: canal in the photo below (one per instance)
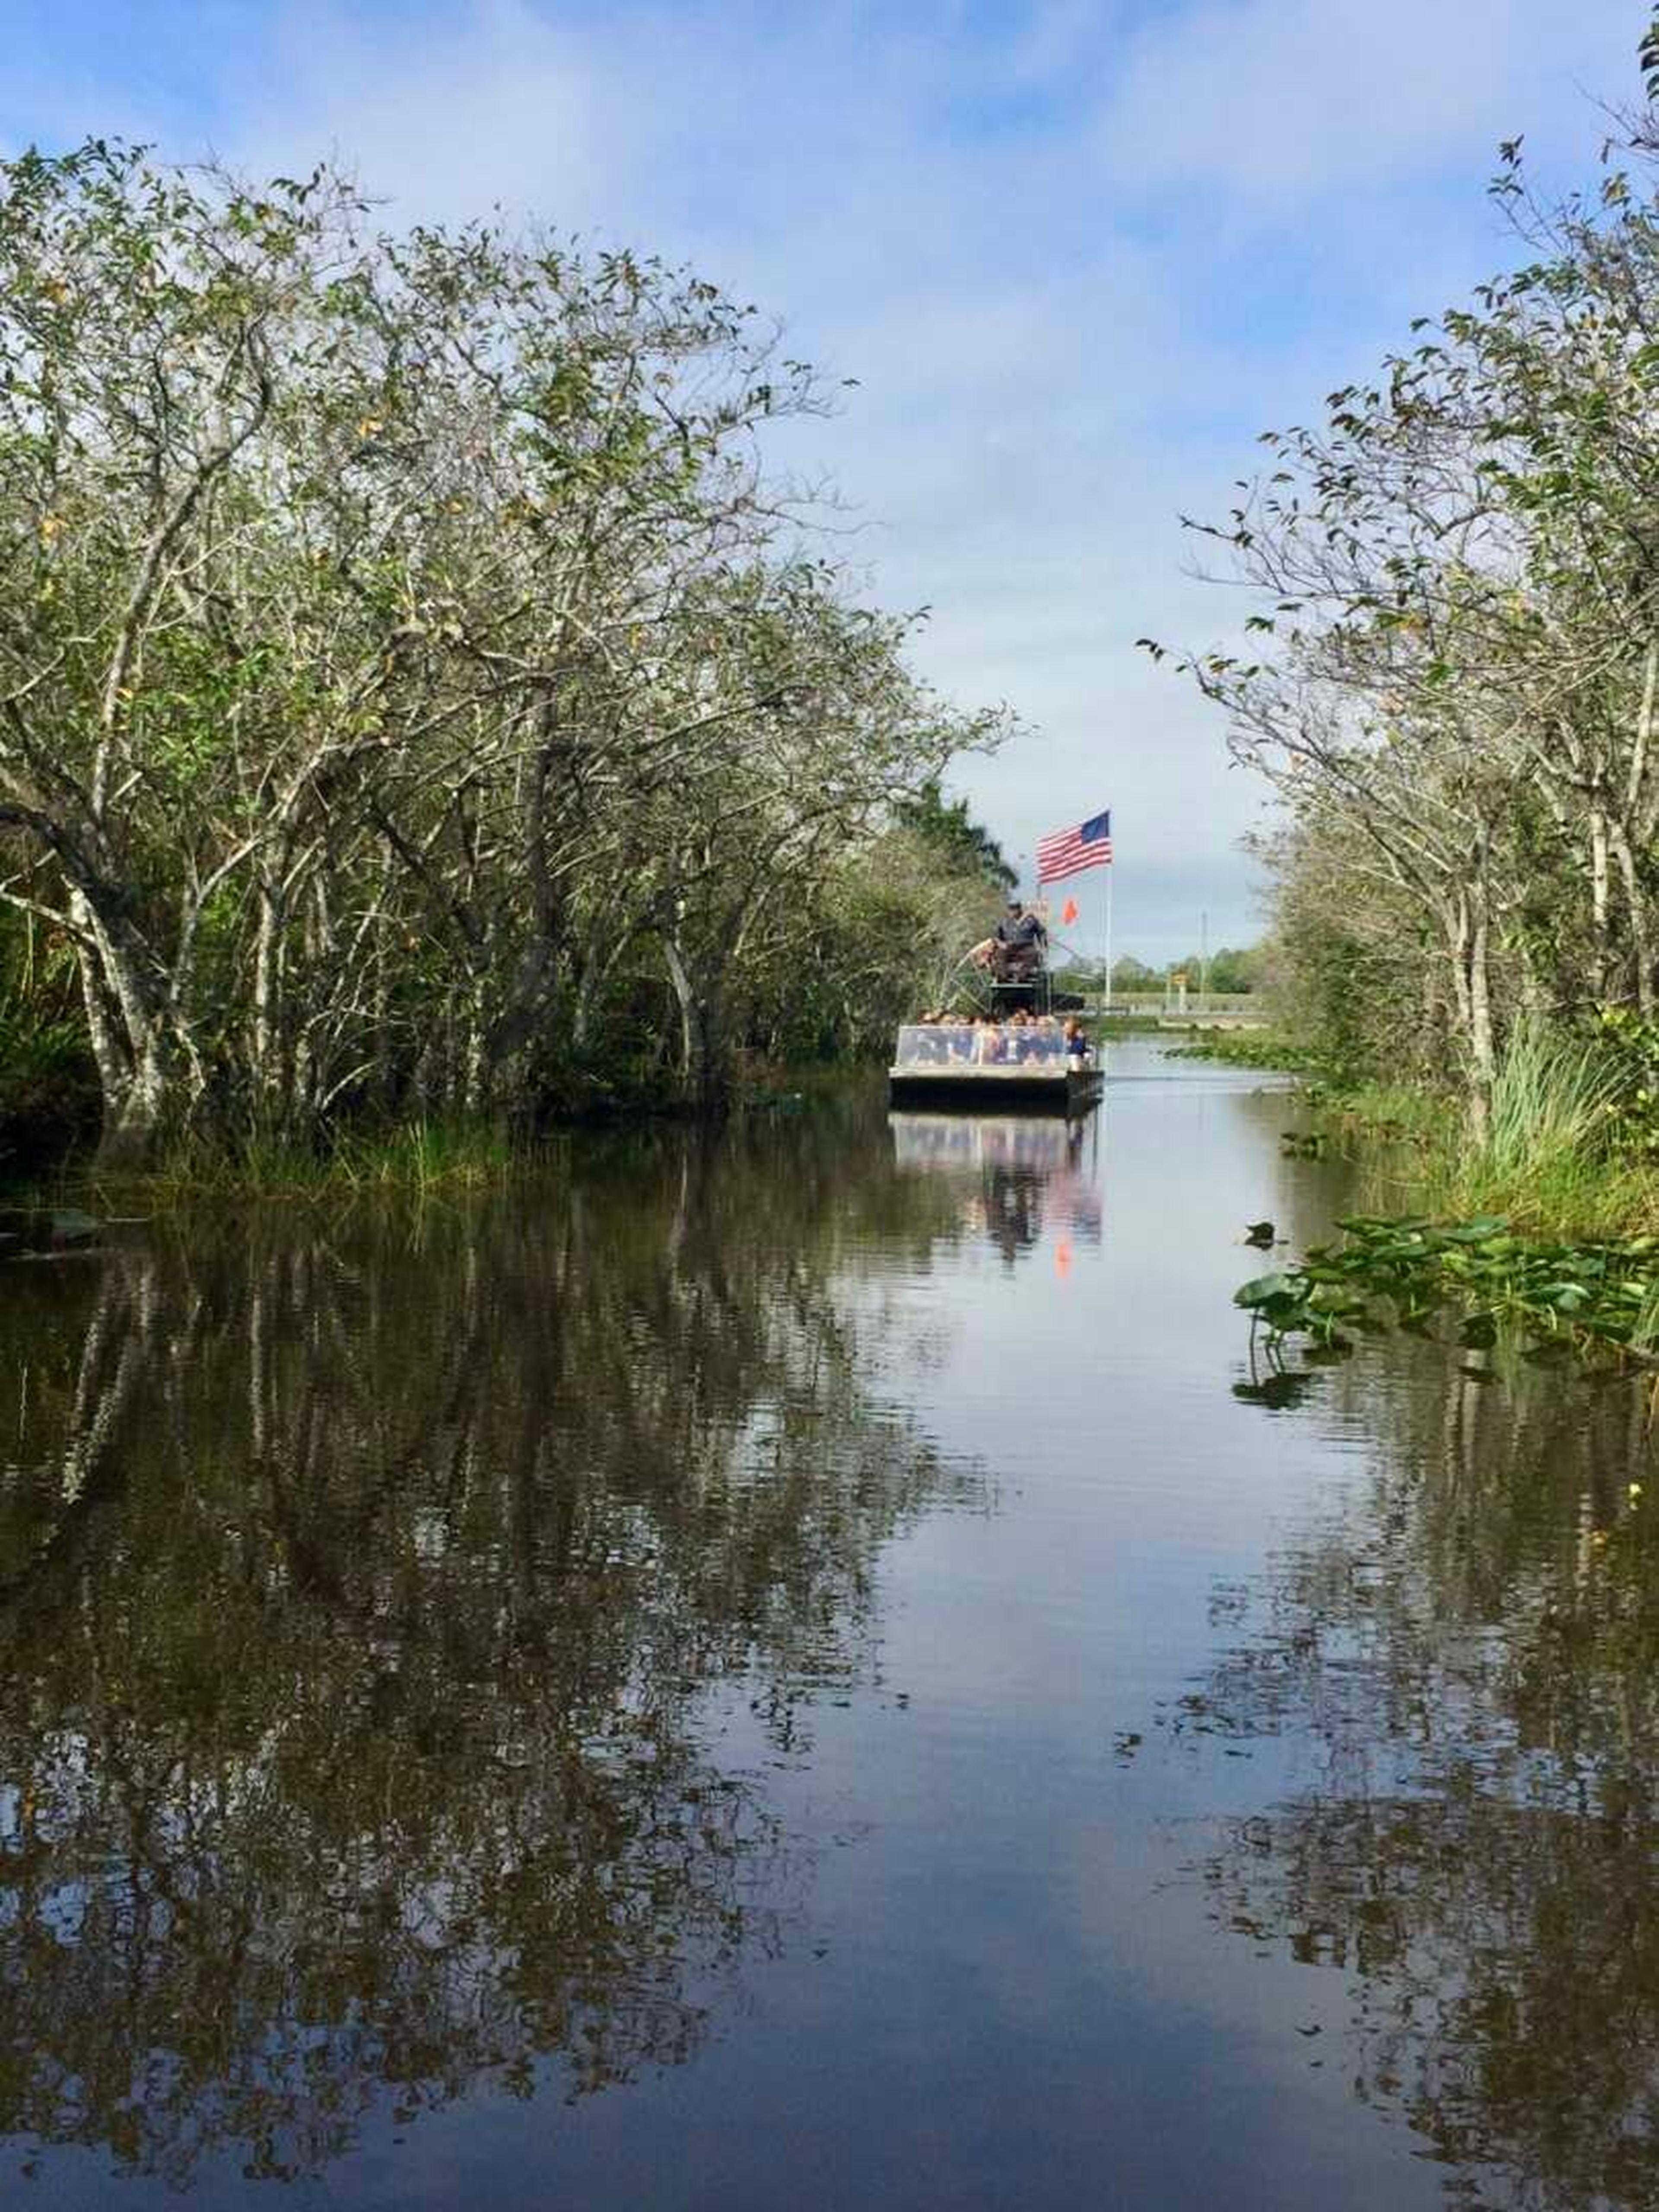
(806, 1667)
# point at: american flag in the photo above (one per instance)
(1068, 852)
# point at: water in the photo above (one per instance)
(799, 1669)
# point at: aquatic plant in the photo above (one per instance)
(1251, 1048)
(1599, 1294)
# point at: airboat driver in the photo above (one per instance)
(1015, 951)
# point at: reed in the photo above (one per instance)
(422, 1159)
(1544, 1155)
(1549, 1156)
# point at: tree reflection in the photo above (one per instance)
(1471, 1655)
(364, 1591)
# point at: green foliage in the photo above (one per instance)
(1550, 1152)
(1511, 1227)
(47, 1081)
(1631, 1050)
(961, 845)
(1230, 972)
(1600, 1293)
(423, 707)
(1547, 1107)
(36, 1048)
(1234, 970)
(1453, 669)
(1342, 993)
(1251, 1048)
(1392, 1111)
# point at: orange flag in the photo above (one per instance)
(1068, 912)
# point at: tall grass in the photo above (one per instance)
(1544, 1155)
(423, 1159)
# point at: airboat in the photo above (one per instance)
(990, 1060)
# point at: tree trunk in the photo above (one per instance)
(105, 1045)
(270, 1092)
(1635, 906)
(1466, 926)
(703, 1065)
(136, 1121)
(137, 1064)
(1482, 1044)
(476, 1068)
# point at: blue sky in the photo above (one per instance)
(1078, 253)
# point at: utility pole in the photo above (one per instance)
(1203, 962)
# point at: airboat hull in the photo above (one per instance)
(994, 1090)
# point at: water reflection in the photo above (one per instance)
(440, 1655)
(364, 1590)
(1463, 1662)
(1015, 1176)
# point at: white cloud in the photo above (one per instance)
(1281, 99)
(497, 103)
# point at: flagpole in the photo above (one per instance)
(1110, 871)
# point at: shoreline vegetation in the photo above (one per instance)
(414, 1160)
(1448, 674)
(1543, 1218)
